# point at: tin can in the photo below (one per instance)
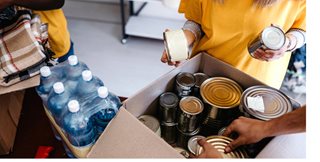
(151, 122)
(182, 151)
(183, 137)
(168, 107)
(271, 37)
(275, 102)
(184, 84)
(220, 143)
(193, 144)
(233, 135)
(189, 113)
(176, 45)
(223, 95)
(200, 78)
(168, 132)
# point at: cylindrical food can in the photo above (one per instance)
(182, 151)
(220, 143)
(168, 132)
(151, 122)
(200, 78)
(176, 45)
(233, 135)
(168, 107)
(271, 37)
(184, 84)
(183, 137)
(193, 144)
(189, 113)
(275, 102)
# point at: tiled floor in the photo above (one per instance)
(125, 68)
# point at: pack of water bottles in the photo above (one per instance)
(78, 102)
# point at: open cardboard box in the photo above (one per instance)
(127, 137)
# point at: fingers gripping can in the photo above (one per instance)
(272, 37)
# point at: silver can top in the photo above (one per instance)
(193, 144)
(169, 100)
(185, 79)
(275, 102)
(200, 78)
(273, 37)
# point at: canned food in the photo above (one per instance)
(223, 95)
(220, 143)
(176, 45)
(151, 122)
(271, 37)
(168, 107)
(233, 135)
(184, 84)
(193, 144)
(182, 151)
(168, 132)
(183, 137)
(189, 113)
(200, 78)
(275, 102)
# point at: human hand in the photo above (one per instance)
(208, 150)
(271, 55)
(164, 57)
(248, 130)
(5, 3)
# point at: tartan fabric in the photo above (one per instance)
(21, 50)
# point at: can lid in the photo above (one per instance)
(273, 37)
(169, 100)
(150, 122)
(220, 143)
(182, 151)
(193, 143)
(200, 78)
(191, 105)
(45, 71)
(221, 92)
(275, 102)
(185, 79)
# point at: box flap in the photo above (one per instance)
(15, 106)
(126, 137)
(143, 101)
(32, 82)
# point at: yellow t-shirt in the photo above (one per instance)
(59, 37)
(230, 27)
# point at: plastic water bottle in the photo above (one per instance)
(57, 102)
(78, 126)
(47, 80)
(74, 69)
(108, 105)
(87, 87)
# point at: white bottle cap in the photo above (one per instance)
(86, 75)
(45, 71)
(73, 106)
(58, 87)
(103, 92)
(73, 60)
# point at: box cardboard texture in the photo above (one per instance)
(11, 100)
(126, 137)
(10, 108)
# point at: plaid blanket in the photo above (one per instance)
(21, 51)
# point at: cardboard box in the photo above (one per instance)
(10, 108)
(11, 100)
(126, 137)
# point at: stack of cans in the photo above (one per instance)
(222, 98)
(168, 109)
(189, 112)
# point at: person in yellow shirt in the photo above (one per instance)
(225, 28)
(50, 12)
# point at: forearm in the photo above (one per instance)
(193, 31)
(39, 4)
(293, 122)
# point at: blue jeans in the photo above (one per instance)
(69, 53)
